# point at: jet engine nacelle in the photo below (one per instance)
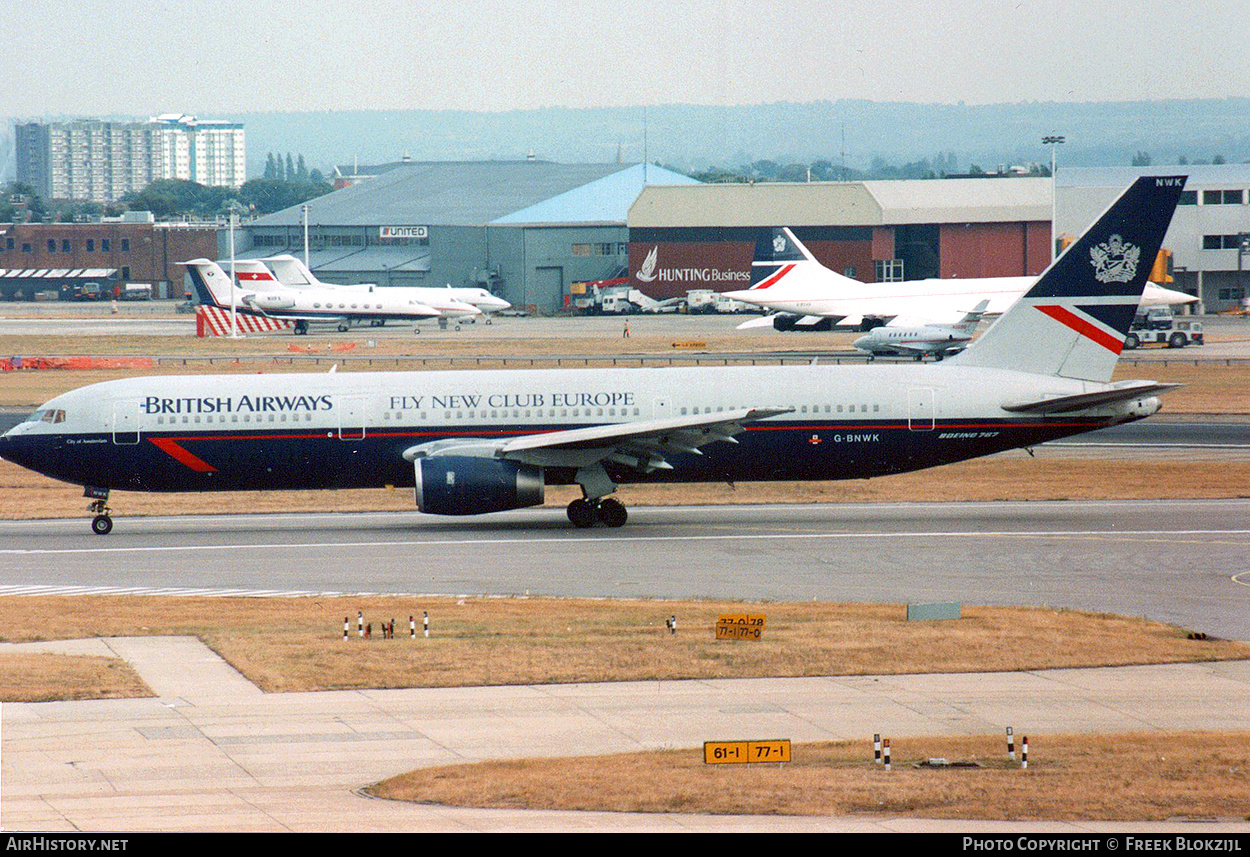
(465, 485)
(264, 301)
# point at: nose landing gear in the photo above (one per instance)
(101, 524)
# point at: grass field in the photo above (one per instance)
(1133, 777)
(296, 644)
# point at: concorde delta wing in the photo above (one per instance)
(641, 445)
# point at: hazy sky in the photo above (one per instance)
(141, 57)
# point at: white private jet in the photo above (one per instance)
(902, 337)
(804, 294)
(289, 271)
(476, 441)
(341, 306)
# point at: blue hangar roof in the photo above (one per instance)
(478, 193)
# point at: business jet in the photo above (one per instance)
(477, 441)
(258, 296)
(466, 303)
(804, 294)
(900, 337)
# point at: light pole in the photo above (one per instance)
(304, 209)
(234, 324)
(1243, 247)
(1052, 141)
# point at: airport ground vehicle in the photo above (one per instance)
(136, 292)
(701, 301)
(1177, 334)
(1153, 318)
(86, 292)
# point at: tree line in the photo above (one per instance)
(168, 198)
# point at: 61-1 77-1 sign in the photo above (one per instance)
(745, 752)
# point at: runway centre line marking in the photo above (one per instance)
(570, 540)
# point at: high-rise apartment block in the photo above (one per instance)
(90, 159)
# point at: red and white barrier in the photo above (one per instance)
(214, 321)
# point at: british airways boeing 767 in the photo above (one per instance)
(483, 441)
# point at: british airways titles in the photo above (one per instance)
(262, 404)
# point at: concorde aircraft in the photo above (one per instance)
(803, 294)
(342, 306)
(471, 442)
(917, 340)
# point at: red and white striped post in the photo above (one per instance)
(1011, 744)
(876, 748)
(1024, 752)
(885, 749)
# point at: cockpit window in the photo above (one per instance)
(47, 415)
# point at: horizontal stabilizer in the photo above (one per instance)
(1122, 392)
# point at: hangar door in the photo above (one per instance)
(548, 293)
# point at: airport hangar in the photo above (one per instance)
(1209, 237)
(703, 236)
(525, 230)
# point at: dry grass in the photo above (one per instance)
(43, 678)
(1135, 777)
(296, 644)
(1210, 387)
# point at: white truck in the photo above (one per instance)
(729, 305)
(1177, 334)
(701, 301)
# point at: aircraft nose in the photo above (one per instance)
(862, 342)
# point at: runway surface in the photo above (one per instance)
(1186, 562)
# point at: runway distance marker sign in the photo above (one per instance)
(740, 626)
(745, 752)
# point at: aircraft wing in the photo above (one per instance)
(1123, 391)
(762, 321)
(642, 445)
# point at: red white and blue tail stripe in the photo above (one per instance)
(1074, 320)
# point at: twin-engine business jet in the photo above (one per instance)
(787, 280)
(452, 303)
(917, 340)
(484, 441)
(341, 305)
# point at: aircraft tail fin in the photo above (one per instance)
(1074, 319)
(211, 283)
(777, 253)
(970, 321)
(255, 275)
(291, 271)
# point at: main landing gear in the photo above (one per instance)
(586, 513)
(101, 524)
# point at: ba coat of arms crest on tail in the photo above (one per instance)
(1115, 261)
